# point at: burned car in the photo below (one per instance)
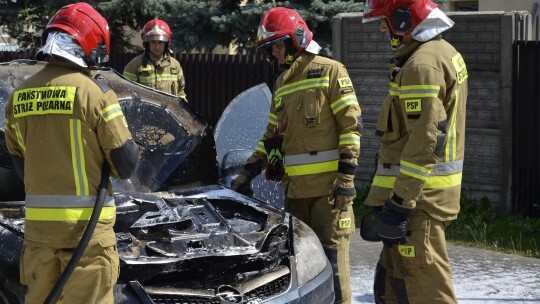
(183, 236)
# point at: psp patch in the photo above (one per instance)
(407, 251)
(413, 105)
(344, 223)
(345, 82)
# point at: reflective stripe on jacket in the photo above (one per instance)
(421, 127)
(66, 208)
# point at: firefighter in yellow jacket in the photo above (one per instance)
(421, 127)
(61, 126)
(156, 68)
(312, 140)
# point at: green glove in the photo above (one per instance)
(274, 171)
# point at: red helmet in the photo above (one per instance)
(87, 27)
(156, 29)
(402, 15)
(280, 23)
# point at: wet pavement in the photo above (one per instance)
(479, 276)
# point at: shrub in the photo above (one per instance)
(478, 225)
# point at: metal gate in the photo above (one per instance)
(526, 124)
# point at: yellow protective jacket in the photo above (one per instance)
(165, 75)
(63, 125)
(315, 110)
(422, 131)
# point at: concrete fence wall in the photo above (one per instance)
(485, 40)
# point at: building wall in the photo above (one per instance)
(505, 5)
(458, 5)
(485, 41)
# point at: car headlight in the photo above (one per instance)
(310, 257)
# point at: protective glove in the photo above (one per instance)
(344, 192)
(274, 171)
(392, 227)
(369, 223)
(242, 183)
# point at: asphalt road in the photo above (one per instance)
(479, 276)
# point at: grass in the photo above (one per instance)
(478, 225)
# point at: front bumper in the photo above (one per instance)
(319, 290)
(278, 287)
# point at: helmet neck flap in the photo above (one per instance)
(63, 47)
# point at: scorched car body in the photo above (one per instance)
(182, 235)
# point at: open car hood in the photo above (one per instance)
(235, 141)
(176, 144)
(177, 147)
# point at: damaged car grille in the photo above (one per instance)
(194, 249)
(263, 288)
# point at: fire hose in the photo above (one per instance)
(87, 234)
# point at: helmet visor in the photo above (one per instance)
(155, 37)
(268, 44)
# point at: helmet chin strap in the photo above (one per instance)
(289, 58)
(290, 51)
(395, 41)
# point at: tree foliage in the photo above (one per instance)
(204, 25)
(24, 20)
(196, 25)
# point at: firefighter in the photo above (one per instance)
(61, 126)
(312, 139)
(421, 127)
(156, 68)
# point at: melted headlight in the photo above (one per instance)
(310, 257)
